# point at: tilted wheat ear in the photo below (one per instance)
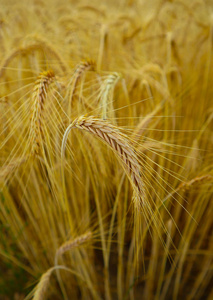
(69, 245)
(199, 179)
(106, 93)
(41, 287)
(9, 169)
(74, 243)
(80, 69)
(39, 95)
(121, 145)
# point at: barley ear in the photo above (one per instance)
(119, 143)
(39, 96)
(41, 287)
(73, 243)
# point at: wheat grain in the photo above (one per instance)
(79, 70)
(39, 95)
(199, 179)
(121, 145)
(29, 49)
(74, 243)
(143, 124)
(9, 169)
(82, 67)
(66, 247)
(186, 185)
(106, 93)
(41, 288)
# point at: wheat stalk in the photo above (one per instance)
(39, 95)
(119, 142)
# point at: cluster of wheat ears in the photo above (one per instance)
(106, 164)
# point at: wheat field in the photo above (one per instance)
(106, 161)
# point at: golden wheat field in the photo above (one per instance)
(106, 149)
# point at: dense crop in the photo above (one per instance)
(106, 164)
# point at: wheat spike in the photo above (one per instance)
(41, 44)
(41, 287)
(119, 142)
(74, 243)
(107, 93)
(186, 185)
(82, 67)
(66, 247)
(9, 169)
(39, 95)
(79, 70)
